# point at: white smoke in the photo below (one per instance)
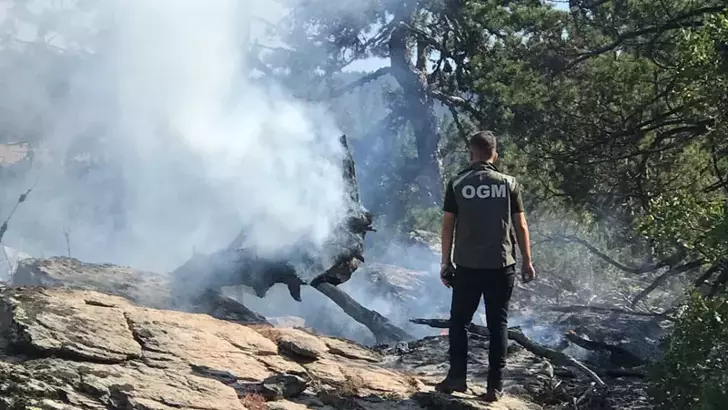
(193, 149)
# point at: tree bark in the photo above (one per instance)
(420, 108)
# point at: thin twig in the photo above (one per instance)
(21, 199)
(578, 401)
(67, 235)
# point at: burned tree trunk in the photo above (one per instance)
(205, 274)
(236, 266)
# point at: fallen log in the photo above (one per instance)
(515, 334)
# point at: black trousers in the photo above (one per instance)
(496, 287)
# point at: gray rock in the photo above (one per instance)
(285, 386)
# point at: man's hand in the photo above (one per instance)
(528, 273)
(447, 273)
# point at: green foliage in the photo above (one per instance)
(425, 219)
(693, 375)
(689, 221)
(614, 110)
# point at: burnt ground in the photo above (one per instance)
(528, 376)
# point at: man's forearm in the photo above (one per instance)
(446, 239)
(524, 241)
(446, 246)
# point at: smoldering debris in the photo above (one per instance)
(235, 266)
(9, 260)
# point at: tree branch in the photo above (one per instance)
(631, 269)
(384, 331)
(663, 278)
(619, 355)
(358, 83)
(452, 101)
(458, 124)
(677, 22)
(719, 281)
(21, 199)
(708, 273)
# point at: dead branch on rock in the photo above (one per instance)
(384, 331)
(517, 335)
(553, 355)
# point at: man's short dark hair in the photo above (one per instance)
(482, 142)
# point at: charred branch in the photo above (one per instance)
(517, 335)
(618, 355)
(382, 329)
(236, 266)
(455, 102)
(661, 279)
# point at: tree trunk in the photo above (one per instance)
(419, 112)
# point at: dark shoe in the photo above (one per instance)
(450, 385)
(492, 396)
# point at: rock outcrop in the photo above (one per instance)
(83, 336)
(147, 289)
(77, 349)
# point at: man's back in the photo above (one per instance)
(483, 208)
(483, 200)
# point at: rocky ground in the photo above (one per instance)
(84, 336)
(73, 349)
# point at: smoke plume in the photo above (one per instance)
(152, 140)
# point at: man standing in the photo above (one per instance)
(482, 209)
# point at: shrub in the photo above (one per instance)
(694, 371)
